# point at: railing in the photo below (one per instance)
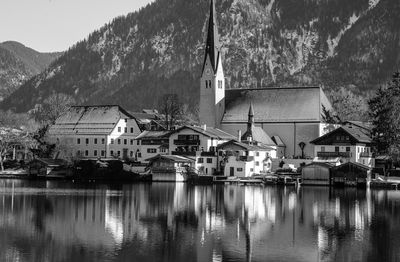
(168, 169)
(186, 142)
(334, 154)
(365, 154)
(178, 153)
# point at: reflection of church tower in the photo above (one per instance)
(212, 85)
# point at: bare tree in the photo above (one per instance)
(9, 138)
(171, 107)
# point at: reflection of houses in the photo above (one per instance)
(241, 159)
(152, 143)
(96, 131)
(199, 143)
(292, 113)
(170, 168)
(350, 143)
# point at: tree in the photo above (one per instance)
(171, 107)
(9, 137)
(329, 118)
(52, 107)
(384, 110)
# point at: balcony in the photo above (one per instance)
(334, 154)
(366, 155)
(188, 153)
(179, 142)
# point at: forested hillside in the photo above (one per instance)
(350, 46)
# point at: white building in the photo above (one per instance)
(350, 143)
(95, 132)
(151, 144)
(243, 160)
(199, 143)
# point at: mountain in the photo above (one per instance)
(135, 59)
(19, 63)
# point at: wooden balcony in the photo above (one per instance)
(178, 153)
(334, 154)
(366, 155)
(186, 142)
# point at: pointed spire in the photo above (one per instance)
(212, 43)
(251, 110)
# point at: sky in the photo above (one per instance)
(55, 25)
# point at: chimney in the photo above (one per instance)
(239, 135)
(204, 127)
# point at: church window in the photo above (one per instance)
(220, 84)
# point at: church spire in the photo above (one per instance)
(212, 43)
(250, 121)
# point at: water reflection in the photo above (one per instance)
(59, 221)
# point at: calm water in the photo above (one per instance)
(60, 221)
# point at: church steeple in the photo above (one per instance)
(212, 43)
(248, 136)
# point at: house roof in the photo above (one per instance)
(52, 162)
(286, 104)
(278, 141)
(99, 120)
(354, 164)
(324, 164)
(208, 131)
(245, 146)
(259, 135)
(153, 135)
(360, 135)
(179, 159)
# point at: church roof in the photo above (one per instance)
(286, 104)
(212, 42)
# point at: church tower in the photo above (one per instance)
(212, 85)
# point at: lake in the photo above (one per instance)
(62, 221)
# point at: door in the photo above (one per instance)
(125, 153)
(232, 171)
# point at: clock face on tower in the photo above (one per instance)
(208, 71)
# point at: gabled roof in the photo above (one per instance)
(52, 162)
(173, 158)
(278, 141)
(360, 135)
(153, 135)
(208, 131)
(275, 105)
(247, 147)
(259, 135)
(99, 120)
(353, 164)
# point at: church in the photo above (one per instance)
(291, 116)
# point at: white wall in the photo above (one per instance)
(208, 168)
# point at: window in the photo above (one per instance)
(87, 141)
(103, 153)
(131, 142)
(125, 130)
(151, 150)
(239, 169)
(251, 170)
(257, 153)
(119, 153)
(347, 138)
(125, 141)
(119, 129)
(95, 152)
(119, 141)
(78, 141)
(201, 160)
(131, 130)
(336, 149)
(257, 163)
(322, 149)
(86, 152)
(348, 149)
(112, 152)
(131, 153)
(163, 150)
(103, 141)
(126, 120)
(139, 155)
(209, 160)
(78, 153)
(220, 153)
(219, 84)
(112, 141)
(95, 141)
(138, 142)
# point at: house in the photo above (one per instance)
(351, 174)
(316, 173)
(294, 114)
(49, 167)
(242, 160)
(199, 143)
(151, 144)
(150, 119)
(170, 168)
(350, 143)
(92, 132)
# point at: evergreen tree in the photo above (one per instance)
(385, 114)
